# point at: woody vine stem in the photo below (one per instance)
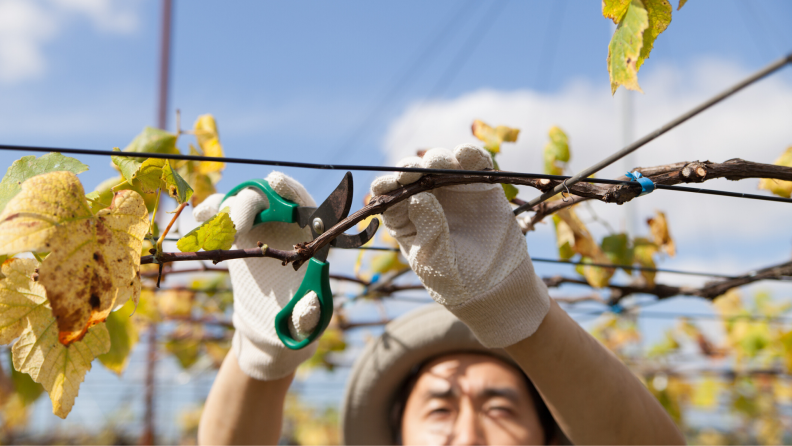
(670, 174)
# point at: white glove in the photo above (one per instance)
(262, 286)
(465, 245)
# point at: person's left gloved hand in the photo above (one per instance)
(466, 246)
(262, 286)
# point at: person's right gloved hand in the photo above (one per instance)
(262, 286)
(466, 246)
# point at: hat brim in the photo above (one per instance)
(383, 366)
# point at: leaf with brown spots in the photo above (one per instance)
(94, 260)
(26, 314)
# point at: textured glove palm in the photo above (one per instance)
(465, 245)
(262, 286)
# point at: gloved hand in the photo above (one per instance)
(262, 286)
(465, 245)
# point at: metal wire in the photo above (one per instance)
(583, 174)
(352, 167)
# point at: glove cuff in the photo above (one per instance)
(267, 362)
(510, 311)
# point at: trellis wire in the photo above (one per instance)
(353, 167)
(775, 66)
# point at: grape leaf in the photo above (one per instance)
(175, 302)
(94, 259)
(779, 187)
(205, 129)
(123, 336)
(493, 138)
(556, 151)
(37, 352)
(584, 245)
(624, 49)
(659, 14)
(153, 174)
(30, 166)
(643, 251)
(565, 238)
(216, 233)
(617, 248)
(203, 184)
(27, 389)
(102, 196)
(58, 368)
(662, 238)
(615, 9)
(19, 296)
(153, 140)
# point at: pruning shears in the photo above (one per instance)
(317, 276)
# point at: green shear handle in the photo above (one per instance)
(331, 211)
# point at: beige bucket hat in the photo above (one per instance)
(384, 365)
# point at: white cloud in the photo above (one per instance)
(712, 232)
(26, 26)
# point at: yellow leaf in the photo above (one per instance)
(659, 14)
(584, 245)
(681, 4)
(705, 394)
(38, 353)
(94, 260)
(175, 302)
(643, 252)
(209, 141)
(493, 138)
(662, 237)
(19, 296)
(614, 9)
(58, 368)
(779, 187)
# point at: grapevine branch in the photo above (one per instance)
(710, 291)
(684, 172)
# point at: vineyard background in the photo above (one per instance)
(345, 89)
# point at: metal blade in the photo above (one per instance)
(336, 207)
(304, 215)
(353, 241)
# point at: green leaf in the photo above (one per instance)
(176, 185)
(510, 190)
(123, 336)
(102, 196)
(185, 350)
(659, 14)
(215, 233)
(615, 9)
(617, 248)
(556, 151)
(153, 140)
(28, 390)
(624, 49)
(30, 166)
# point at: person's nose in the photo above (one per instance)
(468, 429)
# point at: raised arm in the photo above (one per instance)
(245, 405)
(465, 245)
(592, 395)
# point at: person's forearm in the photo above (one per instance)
(242, 410)
(591, 394)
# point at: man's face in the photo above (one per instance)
(470, 399)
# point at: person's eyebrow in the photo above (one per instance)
(448, 393)
(504, 392)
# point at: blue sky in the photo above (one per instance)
(364, 82)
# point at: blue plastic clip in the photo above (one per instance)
(616, 308)
(647, 186)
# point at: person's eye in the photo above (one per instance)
(439, 412)
(500, 411)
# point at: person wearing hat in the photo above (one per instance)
(495, 361)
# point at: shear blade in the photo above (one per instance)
(354, 241)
